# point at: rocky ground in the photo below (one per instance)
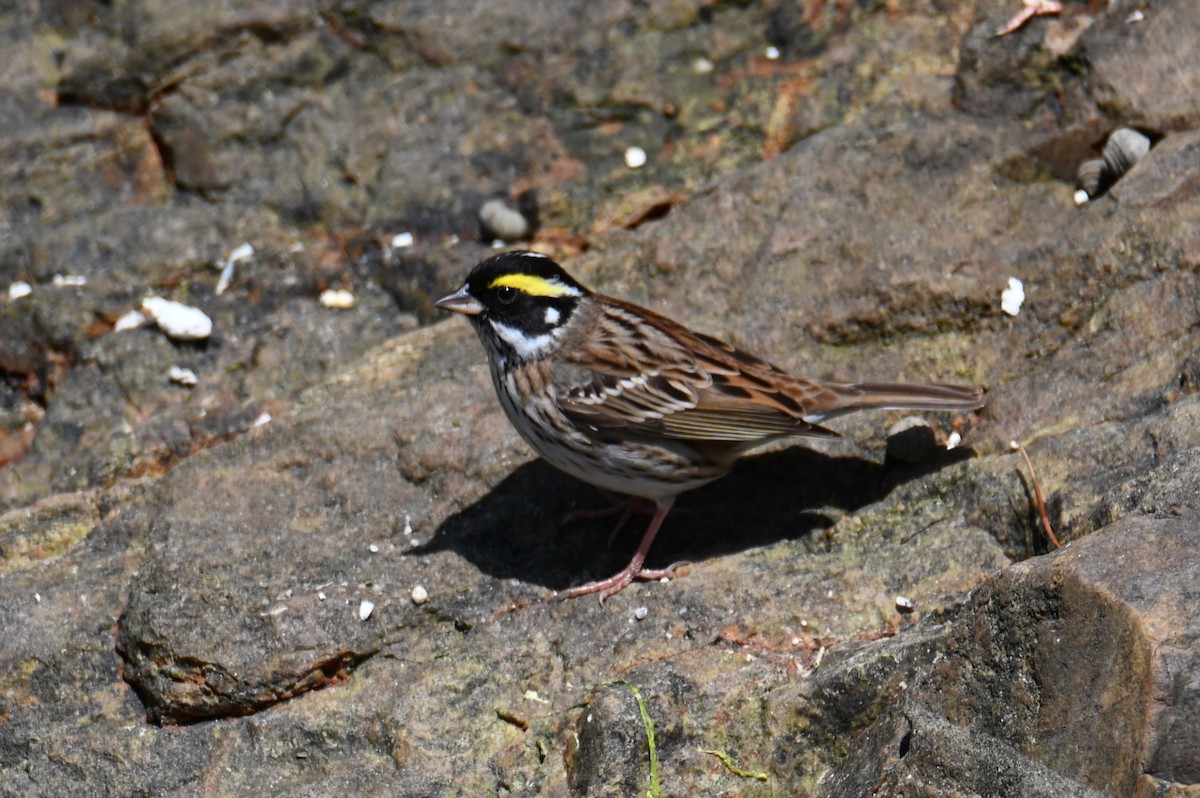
(211, 589)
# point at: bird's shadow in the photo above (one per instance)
(516, 530)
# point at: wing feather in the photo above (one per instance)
(698, 389)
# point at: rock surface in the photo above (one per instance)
(183, 568)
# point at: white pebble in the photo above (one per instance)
(772, 53)
(640, 613)
(365, 609)
(263, 418)
(702, 66)
(635, 157)
(419, 595)
(68, 280)
(320, 595)
(408, 530)
(1081, 197)
(338, 298)
(183, 376)
(402, 240)
(1134, 18)
(179, 321)
(130, 321)
(904, 604)
(373, 548)
(953, 440)
(19, 289)
(1012, 297)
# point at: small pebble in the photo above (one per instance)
(772, 53)
(68, 280)
(1134, 18)
(1012, 297)
(503, 222)
(1081, 197)
(911, 440)
(365, 609)
(640, 613)
(185, 377)
(702, 66)
(130, 321)
(179, 321)
(263, 418)
(635, 157)
(19, 290)
(320, 595)
(905, 605)
(419, 595)
(402, 240)
(373, 548)
(953, 440)
(337, 298)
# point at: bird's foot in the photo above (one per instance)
(607, 588)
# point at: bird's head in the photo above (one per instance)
(520, 303)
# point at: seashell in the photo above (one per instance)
(1124, 148)
(1090, 174)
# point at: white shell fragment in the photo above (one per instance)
(337, 298)
(185, 377)
(239, 253)
(19, 290)
(635, 157)
(365, 609)
(419, 595)
(953, 440)
(502, 221)
(1012, 297)
(179, 321)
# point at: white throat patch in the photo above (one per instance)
(528, 347)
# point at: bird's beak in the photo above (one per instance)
(460, 302)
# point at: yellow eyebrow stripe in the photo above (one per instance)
(532, 285)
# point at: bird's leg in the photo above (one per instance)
(626, 507)
(607, 588)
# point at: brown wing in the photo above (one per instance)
(644, 373)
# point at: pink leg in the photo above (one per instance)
(626, 507)
(607, 588)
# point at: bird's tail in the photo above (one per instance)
(902, 396)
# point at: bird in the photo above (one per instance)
(632, 402)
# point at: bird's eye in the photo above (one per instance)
(506, 294)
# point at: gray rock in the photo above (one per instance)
(173, 558)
